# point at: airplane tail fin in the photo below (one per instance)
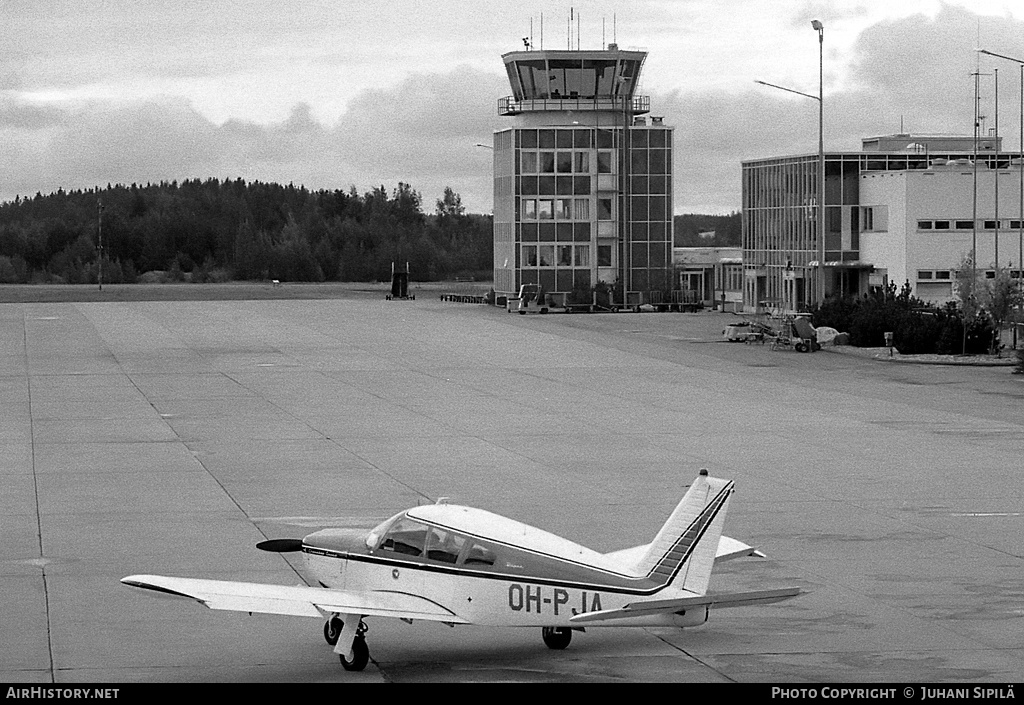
(683, 553)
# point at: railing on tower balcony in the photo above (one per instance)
(637, 105)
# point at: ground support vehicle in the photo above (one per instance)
(796, 331)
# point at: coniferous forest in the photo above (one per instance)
(219, 230)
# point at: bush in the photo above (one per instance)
(918, 328)
(1018, 369)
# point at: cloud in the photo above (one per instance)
(422, 129)
(424, 132)
(914, 71)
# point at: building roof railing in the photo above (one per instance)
(637, 105)
(886, 161)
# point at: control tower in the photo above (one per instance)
(582, 177)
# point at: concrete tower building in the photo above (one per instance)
(582, 178)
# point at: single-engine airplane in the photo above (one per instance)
(458, 565)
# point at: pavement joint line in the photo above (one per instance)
(35, 489)
(331, 439)
(686, 653)
(202, 464)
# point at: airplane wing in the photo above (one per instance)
(650, 607)
(728, 548)
(300, 601)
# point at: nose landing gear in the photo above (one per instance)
(332, 630)
(360, 651)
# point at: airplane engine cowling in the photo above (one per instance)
(692, 617)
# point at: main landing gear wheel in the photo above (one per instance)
(332, 630)
(556, 637)
(360, 655)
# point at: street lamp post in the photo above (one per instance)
(820, 279)
(99, 240)
(820, 28)
(1020, 166)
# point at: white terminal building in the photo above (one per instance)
(902, 210)
(918, 226)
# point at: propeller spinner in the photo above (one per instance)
(280, 545)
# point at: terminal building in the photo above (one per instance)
(714, 274)
(582, 176)
(901, 210)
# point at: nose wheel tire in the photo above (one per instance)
(556, 637)
(332, 630)
(360, 656)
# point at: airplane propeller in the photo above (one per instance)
(280, 545)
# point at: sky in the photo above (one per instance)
(339, 94)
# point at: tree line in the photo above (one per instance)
(218, 230)
(695, 230)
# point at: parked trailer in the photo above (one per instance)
(533, 299)
(679, 300)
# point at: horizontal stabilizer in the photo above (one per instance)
(299, 601)
(671, 606)
(728, 548)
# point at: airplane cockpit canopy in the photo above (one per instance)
(410, 538)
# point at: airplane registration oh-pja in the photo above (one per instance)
(459, 565)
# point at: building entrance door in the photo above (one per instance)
(693, 280)
(795, 294)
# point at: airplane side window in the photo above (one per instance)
(406, 537)
(479, 556)
(444, 546)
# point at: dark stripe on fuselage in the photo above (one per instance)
(470, 573)
(698, 527)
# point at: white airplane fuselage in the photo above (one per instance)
(505, 594)
(460, 565)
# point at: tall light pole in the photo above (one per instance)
(820, 225)
(995, 81)
(820, 28)
(1020, 163)
(99, 235)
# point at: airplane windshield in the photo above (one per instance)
(405, 536)
(373, 538)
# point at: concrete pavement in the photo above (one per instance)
(170, 437)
